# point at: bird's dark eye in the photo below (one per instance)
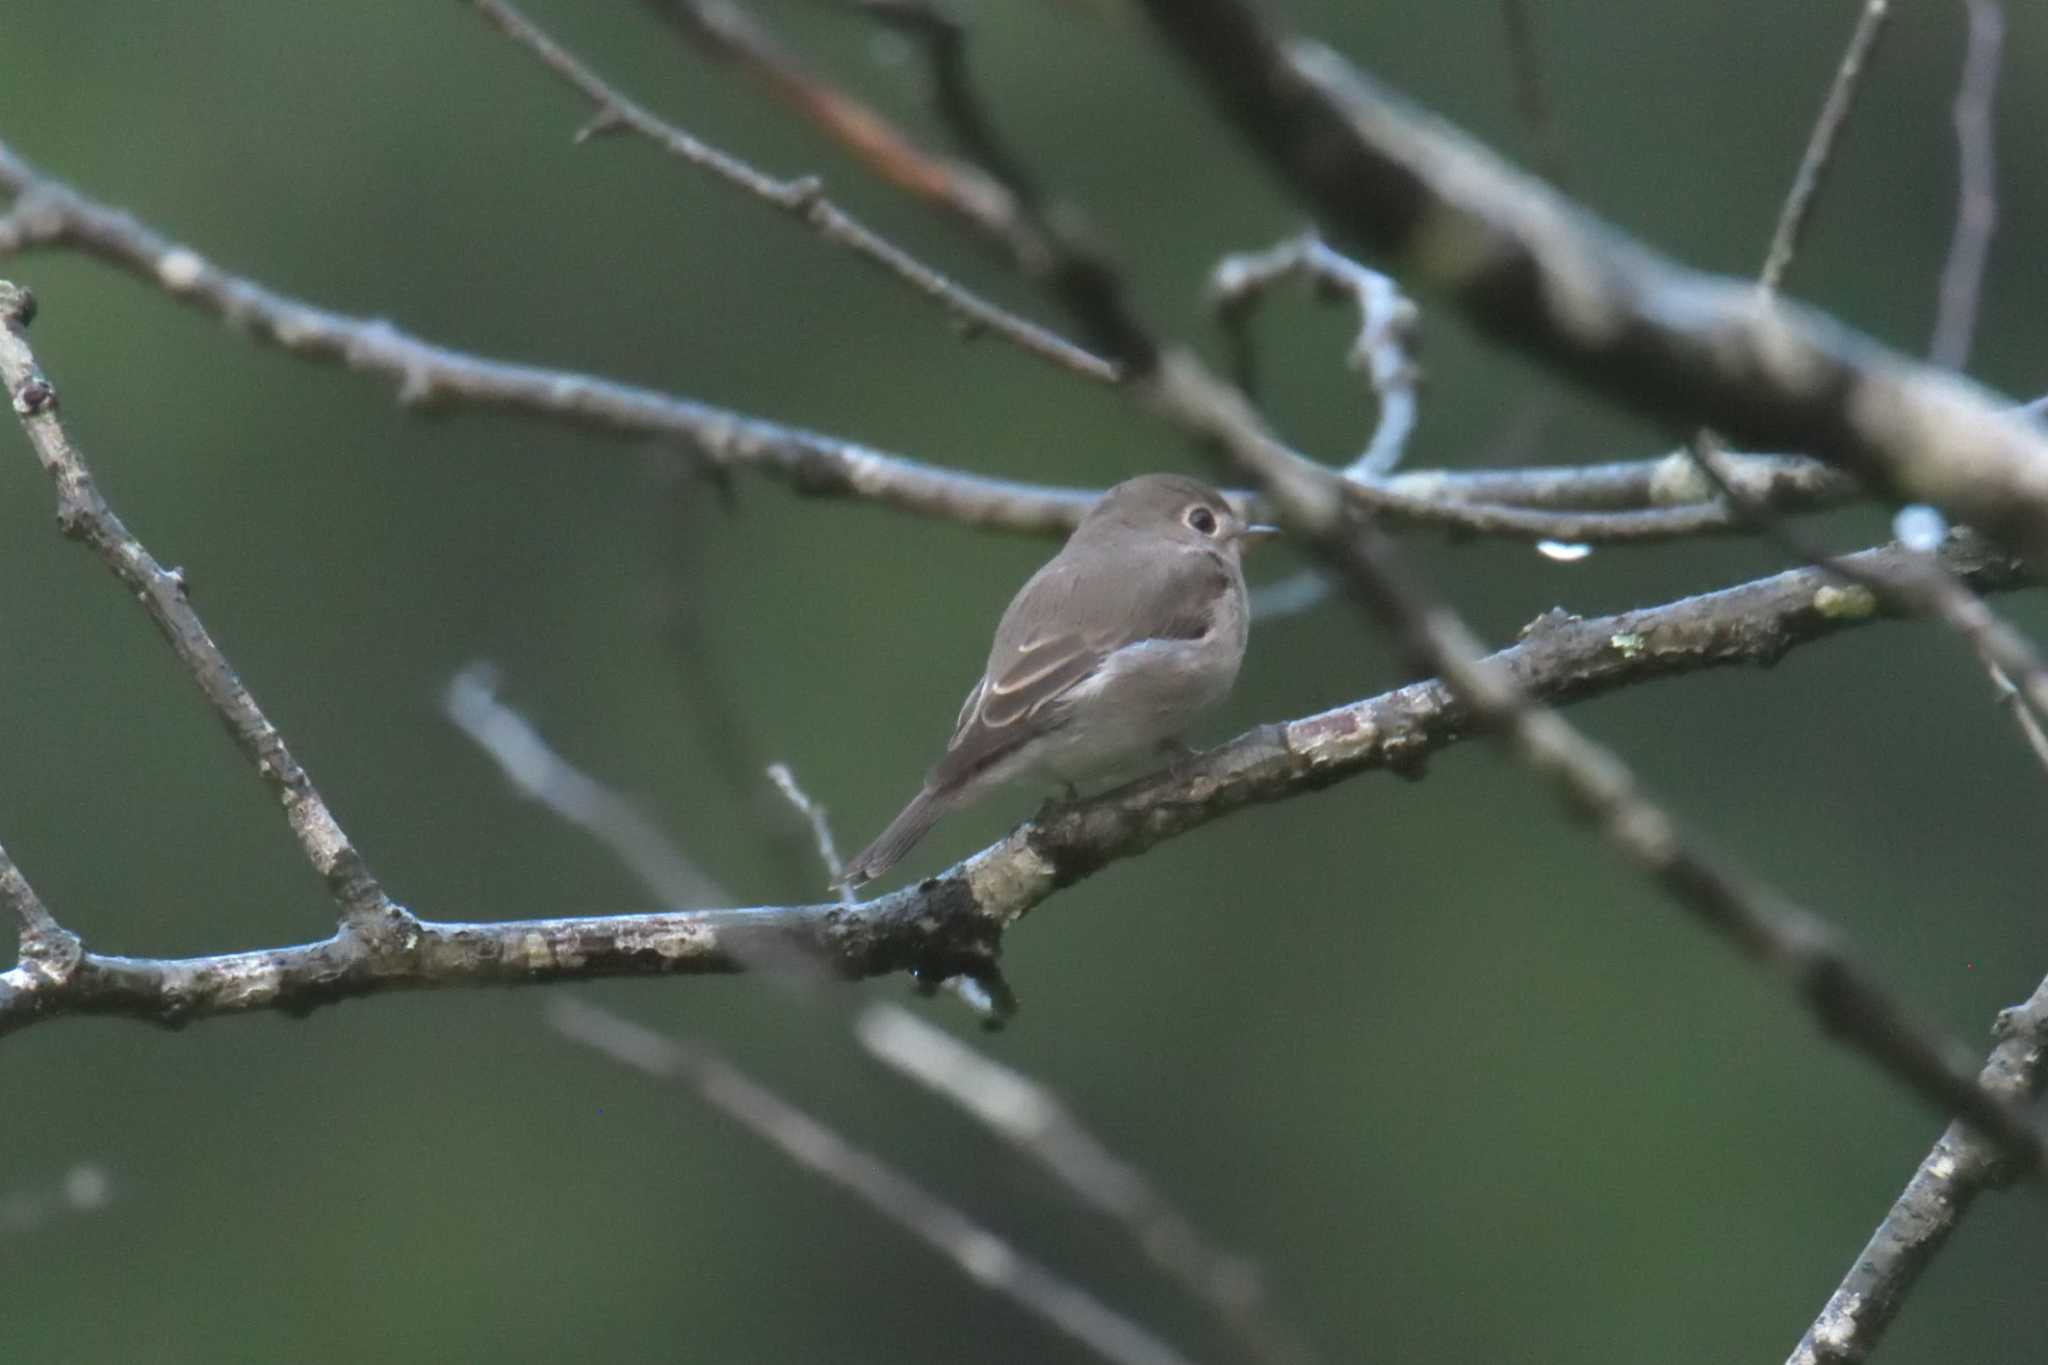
(1203, 520)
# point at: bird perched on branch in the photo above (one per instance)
(1137, 624)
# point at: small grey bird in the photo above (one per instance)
(1103, 657)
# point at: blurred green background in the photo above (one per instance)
(1462, 1085)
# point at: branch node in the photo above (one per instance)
(53, 953)
(803, 194)
(605, 121)
(34, 396)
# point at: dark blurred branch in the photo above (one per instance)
(952, 924)
(1961, 1166)
(1787, 483)
(1532, 99)
(803, 199)
(83, 515)
(1033, 1121)
(730, 34)
(1962, 273)
(953, 93)
(1541, 274)
(980, 1254)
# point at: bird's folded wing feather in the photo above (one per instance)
(1037, 660)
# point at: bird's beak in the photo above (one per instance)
(1255, 534)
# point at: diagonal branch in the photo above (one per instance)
(1961, 1166)
(803, 199)
(1820, 145)
(85, 516)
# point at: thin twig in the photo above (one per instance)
(1386, 325)
(2023, 715)
(953, 923)
(1820, 145)
(84, 516)
(803, 199)
(537, 772)
(1962, 273)
(821, 827)
(978, 1253)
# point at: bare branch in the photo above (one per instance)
(1962, 274)
(84, 516)
(803, 199)
(48, 213)
(1537, 272)
(952, 924)
(1961, 1166)
(978, 1253)
(1592, 781)
(1820, 145)
(1627, 501)
(821, 828)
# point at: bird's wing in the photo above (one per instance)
(1037, 660)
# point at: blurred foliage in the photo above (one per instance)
(1465, 1088)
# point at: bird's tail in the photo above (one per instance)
(892, 843)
